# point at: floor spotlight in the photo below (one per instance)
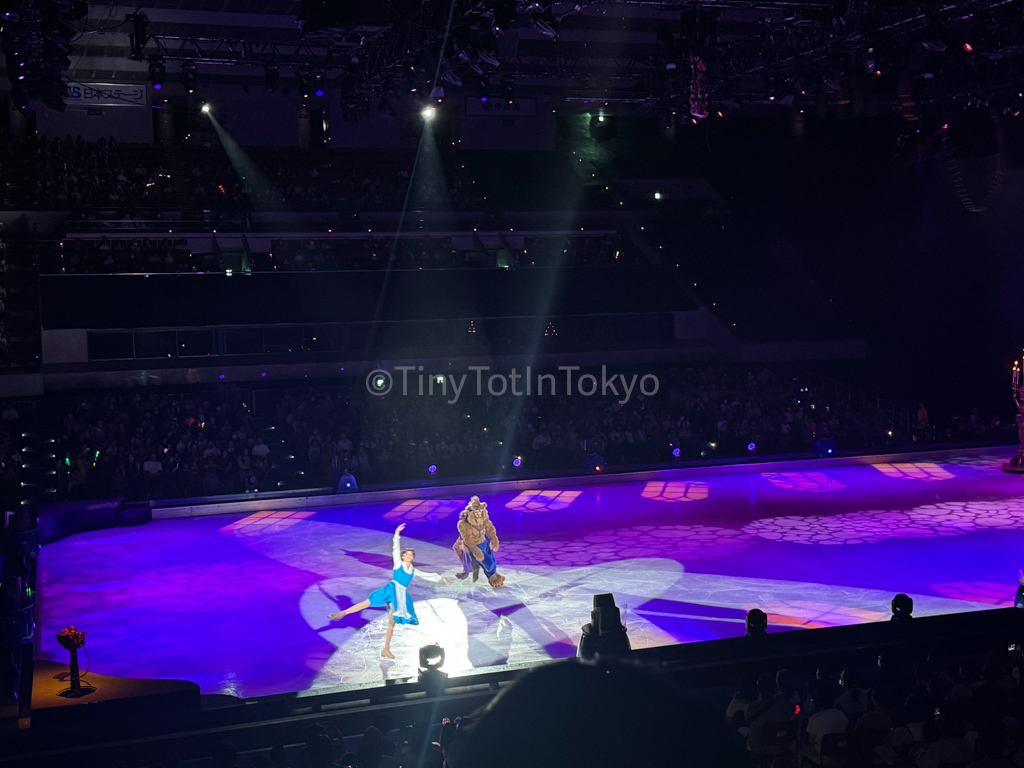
(347, 483)
(757, 623)
(603, 127)
(431, 657)
(824, 448)
(605, 635)
(902, 607)
(431, 676)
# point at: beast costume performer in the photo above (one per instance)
(477, 543)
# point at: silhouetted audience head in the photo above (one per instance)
(371, 749)
(748, 688)
(915, 709)
(784, 683)
(565, 714)
(224, 755)
(765, 687)
(320, 751)
(384, 722)
(824, 694)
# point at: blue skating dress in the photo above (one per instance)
(395, 593)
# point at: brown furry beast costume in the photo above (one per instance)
(477, 542)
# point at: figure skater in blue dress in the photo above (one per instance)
(394, 594)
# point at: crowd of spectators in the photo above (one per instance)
(5, 357)
(906, 709)
(549, 718)
(84, 255)
(959, 428)
(602, 250)
(161, 446)
(320, 255)
(324, 181)
(10, 455)
(75, 174)
(118, 255)
(180, 444)
(922, 712)
(701, 412)
(72, 173)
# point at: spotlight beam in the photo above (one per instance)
(246, 169)
(427, 135)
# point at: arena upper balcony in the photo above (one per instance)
(105, 180)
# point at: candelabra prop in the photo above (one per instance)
(1017, 462)
(72, 639)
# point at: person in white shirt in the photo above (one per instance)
(152, 467)
(261, 450)
(828, 719)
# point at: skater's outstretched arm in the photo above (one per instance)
(396, 546)
(435, 577)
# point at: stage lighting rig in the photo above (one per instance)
(431, 677)
(37, 46)
(303, 81)
(902, 608)
(466, 58)
(503, 16)
(271, 77)
(757, 623)
(543, 20)
(605, 635)
(157, 70)
(189, 76)
(138, 37)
